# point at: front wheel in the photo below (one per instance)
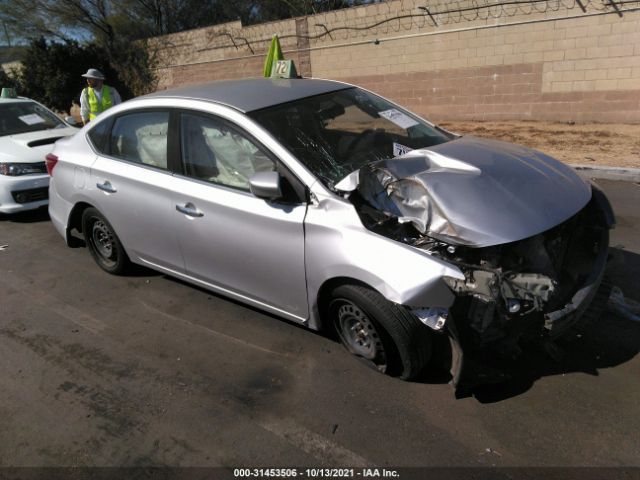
(383, 335)
(103, 243)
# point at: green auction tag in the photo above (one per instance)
(284, 69)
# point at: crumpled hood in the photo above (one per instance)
(475, 192)
(15, 148)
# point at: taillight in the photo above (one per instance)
(51, 161)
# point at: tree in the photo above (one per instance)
(107, 21)
(7, 80)
(114, 31)
(58, 19)
(52, 72)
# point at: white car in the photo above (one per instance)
(28, 131)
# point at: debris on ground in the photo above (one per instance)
(3, 247)
(491, 450)
(625, 307)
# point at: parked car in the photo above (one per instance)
(328, 205)
(28, 131)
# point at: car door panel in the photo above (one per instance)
(243, 244)
(132, 184)
(229, 238)
(137, 202)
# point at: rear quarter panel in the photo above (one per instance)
(70, 180)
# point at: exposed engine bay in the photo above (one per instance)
(528, 290)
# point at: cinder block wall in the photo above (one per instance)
(545, 61)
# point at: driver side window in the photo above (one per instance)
(215, 152)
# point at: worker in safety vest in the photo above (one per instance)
(97, 96)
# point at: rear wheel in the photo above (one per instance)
(383, 335)
(103, 243)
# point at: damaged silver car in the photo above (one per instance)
(330, 206)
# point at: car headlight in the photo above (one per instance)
(16, 169)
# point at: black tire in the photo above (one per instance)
(385, 336)
(103, 243)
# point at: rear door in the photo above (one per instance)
(231, 240)
(132, 183)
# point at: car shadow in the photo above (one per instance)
(606, 343)
(623, 270)
(29, 216)
(138, 271)
(609, 341)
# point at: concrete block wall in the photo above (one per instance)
(544, 61)
(219, 52)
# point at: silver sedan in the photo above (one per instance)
(330, 206)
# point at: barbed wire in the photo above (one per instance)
(392, 17)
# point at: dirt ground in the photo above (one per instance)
(613, 145)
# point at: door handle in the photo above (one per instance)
(106, 187)
(189, 209)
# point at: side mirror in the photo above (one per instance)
(71, 121)
(265, 185)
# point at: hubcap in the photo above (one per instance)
(358, 332)
(102, 239)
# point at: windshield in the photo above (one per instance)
(23, 117)
(337, 133)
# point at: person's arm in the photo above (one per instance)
(84, 107)
(115, 97)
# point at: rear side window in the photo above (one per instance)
(141, 138)
(99, 136)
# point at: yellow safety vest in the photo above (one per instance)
(95, 108)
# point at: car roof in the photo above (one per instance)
(255, 93)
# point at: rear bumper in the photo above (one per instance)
(59, 211)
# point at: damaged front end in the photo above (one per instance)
(527, 289)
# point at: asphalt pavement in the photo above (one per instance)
(144, 370)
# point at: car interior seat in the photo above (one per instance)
(152, 144)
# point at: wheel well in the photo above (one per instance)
(75, 222)
(399, 333)
(324, 294)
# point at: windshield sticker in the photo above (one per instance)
(399, 149)
(32, 119)
(399, 118)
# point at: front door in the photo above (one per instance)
(236, 243)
